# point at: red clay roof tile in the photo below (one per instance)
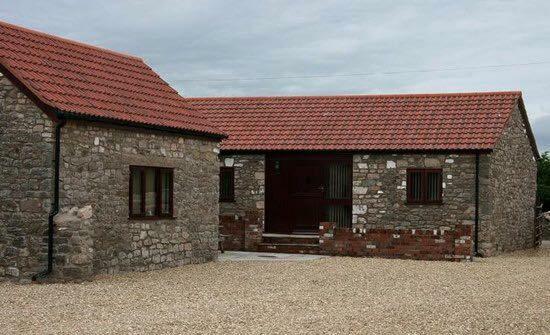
(455, 121)
(82, 79)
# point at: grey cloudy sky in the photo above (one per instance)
(187, 42)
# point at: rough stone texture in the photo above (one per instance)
(95, 171)
(74, 244)
(508, 192)
(244, 219)
(424, 244)
(380, 191)
(26, 146)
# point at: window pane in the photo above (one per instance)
(136, 191)
(150, 192)
(434, 186)
(415, 186)
(166, 180)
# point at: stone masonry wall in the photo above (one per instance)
(244, 219)
(95, 171)
(509, 192)
(380, 192)
(26, 146)
(93, 232)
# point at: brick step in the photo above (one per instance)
(289, 248)
(290, 239)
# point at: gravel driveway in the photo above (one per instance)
(506, 294)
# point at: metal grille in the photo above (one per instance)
(434, 186)
(340, 214)
(415, 186)
(338, 185)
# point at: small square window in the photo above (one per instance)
(151, 192)
(424, 186)
(227, 184)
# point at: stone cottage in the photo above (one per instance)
(104, 167)
(436, 176)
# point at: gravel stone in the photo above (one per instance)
(507, 294)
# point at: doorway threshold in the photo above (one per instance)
(300, 235)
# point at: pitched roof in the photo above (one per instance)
(457, 121)
(84, 80)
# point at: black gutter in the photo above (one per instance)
(55, 201)
(476, 222)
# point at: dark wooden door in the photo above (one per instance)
(305, 189)
(306, 195)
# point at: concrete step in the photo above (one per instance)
(290, 239)
(289, 248)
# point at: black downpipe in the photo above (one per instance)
(476, 223)
(55, 201)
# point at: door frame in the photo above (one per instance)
(272, 221)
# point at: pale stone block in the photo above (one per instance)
(362, 166)
(259, 175)
(229, 162)
(391, 165)
(449, 161)
(360, 190)
(359, 209)
(12, 271)
(85, 212)
(432, 162)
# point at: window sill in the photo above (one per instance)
(439, 203)
(151, 218)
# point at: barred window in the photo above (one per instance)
(424, 186)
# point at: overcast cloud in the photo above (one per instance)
(188, 41)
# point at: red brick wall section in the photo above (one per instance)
(423, 244)
(241, 232)
(232, 231)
